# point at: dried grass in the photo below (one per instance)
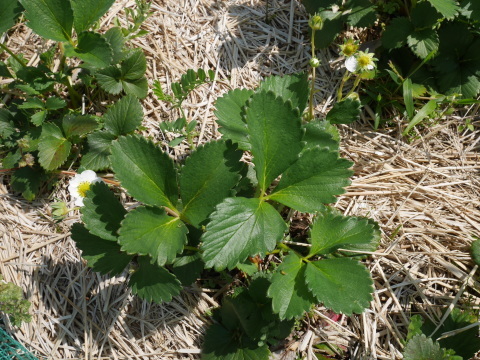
(424, 195)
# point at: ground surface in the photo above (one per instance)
(424, 194)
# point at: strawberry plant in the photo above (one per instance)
(47, 123)
(215, 211)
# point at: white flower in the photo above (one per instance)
(80, 184)
(351, 64)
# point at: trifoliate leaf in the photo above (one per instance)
(222, 344)
(53, 148)
(154, 283)
(343, 285)
(52, 19)
(448, 8)
(322, 134)
(396, 33)
(134, 66)
(207, 178)
(230, 112)
(289, 292)
(274, 131)
(423, 42)
(289, 87)
(102, 255)
(11, 10)
(238, 228)
(423, 348)
(124, 116)
(7, 127)
(362, 13)
(55, 103)
(86, 12)
(315, 179)
(150, 231)
(145, 171)
(331, 231)
(346, 111)
(78, 125)
(93, 49)
(110, 79)
(27, 181)
(188, 268)
(115, 38)
(97, 157)
(102, 212)
(137, 87)
(475, 251)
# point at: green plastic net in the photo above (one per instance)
(10, 349)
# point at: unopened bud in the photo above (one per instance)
(314, 62)
(316, 22)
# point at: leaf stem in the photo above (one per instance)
(312, 85)
(19, 60)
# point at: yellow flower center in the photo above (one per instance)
(83, 187)
(350, 49)
(364, 61)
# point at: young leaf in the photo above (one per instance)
(145, 171)
(102, 212)
(78, 125)
(343, 285)
(274, 131)
(53, 148)
(27, 181)
(124, 116)
(154, 283)
(313, 180)
(448, 8)
(102, 255)
(289, 87)
(99, 144)
(86, 12)
(423, 348)
(93, 49)
(207, 178)
(188, 268)
(52, 19)
(150, 231)
(239, 228)
(346, 111)
(229, 113)
(322, 134)
(289, 292)
(11, 10)
(331, 231)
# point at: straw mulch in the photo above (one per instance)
(424, 194)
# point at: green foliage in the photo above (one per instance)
(13, 304)
(11, 10)
(475, 251)
(422, 348)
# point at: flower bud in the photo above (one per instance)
(314, 62)
(316, 22)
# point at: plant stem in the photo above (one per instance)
(312, 88)
(20, 61)
(340, 87)
(355, 84)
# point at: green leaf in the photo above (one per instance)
(207, 178)
(4, 72)
(289, 87)
(97, 157)
(475, 251)
(102, 255)
(7, 127)
(86, 12)
(346, 111)
(230, 113)
(470, 9)
(78, 125)
(423, 348)
(154, 283)
(102, 212)
(396, 33)
(315, 179)
(221, 344)
(362, 13)
(145, 171)
(138, 87)
(55, 103)
(275, 133)
(124, 116)
(239, 228)
(343, 285)
(32, 103)
(27, 181)
(322, 134)
(424, 16)
(114, 37)
(10, 11)
(188, 268)
(52, 19)
(53, 148)
(333, 23)
(448, 8)
(414, 327)
(424, 112)
(289, 292)
(408, 97)
(110, 79)
(38, 118)
(134, 66)
(423, 42)
(331, 231)
(93, 49)
(150, 231)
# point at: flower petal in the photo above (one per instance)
(351, 64)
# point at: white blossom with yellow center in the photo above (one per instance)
(80, 184)
(365, 61)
